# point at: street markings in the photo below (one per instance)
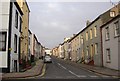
(94, 76)
(82, 76)
(73, 73)
(59, 64)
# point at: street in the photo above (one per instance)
(60, 70)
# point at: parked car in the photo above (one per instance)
(47, 59)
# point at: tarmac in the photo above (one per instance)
(99, 70)
(37, 70)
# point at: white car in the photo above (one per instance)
(47, 59)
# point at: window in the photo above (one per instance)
(95, 31)
(20, 24)
(86, 36)
(81, 39)
(90, 33)
(15, 43)
(96, 48)
(92, 50)
(107, 33)
(87, 48)
(3, 41)
(116, 29)
(108, 55)
(112, 14)
(16, 19)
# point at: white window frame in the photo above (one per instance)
(107, 34)
(96, 48)
(91, 34)
(116, 29)
(86, 36)
(108, 56)
(95, 31)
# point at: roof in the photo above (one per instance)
(118, 16)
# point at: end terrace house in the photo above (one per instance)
(10, 29)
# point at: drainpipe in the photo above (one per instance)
(101, 46)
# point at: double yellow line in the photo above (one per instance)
(43, 70)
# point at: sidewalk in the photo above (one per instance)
(99, 70)
(36, 70)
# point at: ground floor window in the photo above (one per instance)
(108, 55)
(3, 41)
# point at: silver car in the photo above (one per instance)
(47, 59)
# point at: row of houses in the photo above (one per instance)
(97, 44)
(19, 47)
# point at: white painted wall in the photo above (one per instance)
(4, 16)
(113, 45)
(14, 56)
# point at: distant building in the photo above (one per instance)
(111, 43)
(10, 29)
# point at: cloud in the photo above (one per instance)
(52, 22)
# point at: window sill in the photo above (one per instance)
(117, 36)
(108, 62)
(107, 39)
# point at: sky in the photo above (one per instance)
(51, 22)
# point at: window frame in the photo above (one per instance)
(95, 31)
(116, 30)
(4, 33)
(96, 48)
(108, 56)
(15, 43)
(86, 36)
(91, 34)
(16, 19)
(107, 33)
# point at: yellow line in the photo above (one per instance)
(43, 70)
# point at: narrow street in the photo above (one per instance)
(60, 70)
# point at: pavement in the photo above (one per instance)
(96, 69)
(34, 71)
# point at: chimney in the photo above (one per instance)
(87, 22)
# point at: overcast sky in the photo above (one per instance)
(53, 21)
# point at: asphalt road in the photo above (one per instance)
(60, 70)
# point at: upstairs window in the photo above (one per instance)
(3, 41)
(112, 14)
(20, 24)
(81, 39)
(90, 33)
(16, 19)
(116, 29)
(86, 36)
(95, 31)
(107, 36)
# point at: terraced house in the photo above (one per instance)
(111, 42)
(24, 32)
(85, 46)
(10, 30)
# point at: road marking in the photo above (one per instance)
(73, 73)
(83, 76)
(63, 67)
(105, 76)
(59, 64)
(93, 76)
